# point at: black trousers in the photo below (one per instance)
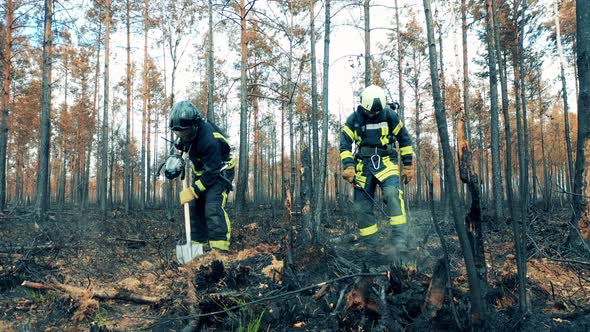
(210, 223)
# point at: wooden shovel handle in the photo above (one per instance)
(187, 218)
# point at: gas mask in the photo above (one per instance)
(187, 134)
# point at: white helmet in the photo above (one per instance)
(373, 100)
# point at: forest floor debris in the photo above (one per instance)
(332, 286)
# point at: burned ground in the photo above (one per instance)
(119, 274)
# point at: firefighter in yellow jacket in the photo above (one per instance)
(374, 128)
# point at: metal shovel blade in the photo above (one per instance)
(187, 252)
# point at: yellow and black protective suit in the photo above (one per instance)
(376, 163)
(214, 170)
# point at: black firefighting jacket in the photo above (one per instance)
(375, 136)
(209, 153)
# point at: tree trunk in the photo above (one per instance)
(473, 219)
(127, 177)
(61, 191)
(144, 187)
(210, 67)
(94, 128)
(443, 82)
(61, 186)
(400, 61)
(243, 161)
(283, 183)
(506, 114)
(5, 101)
(153, 177)
(366, 9)
(43, 173)
(417, 133)
(566, 118)
(306, 189)
(518, 225)
(105, 112)
(441, 171)
(111, 175)
(321, 187)
(256, 158)
(466, 108)
(494, 118)
(477, 309)
(546, 180)
(533, 168)
(292, 86)
(581, 215)
(317, 188)
(525, 125)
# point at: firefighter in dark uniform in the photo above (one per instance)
(374, 128)
(213, 171)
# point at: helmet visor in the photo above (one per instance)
(181, 124)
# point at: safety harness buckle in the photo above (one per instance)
(376, 160)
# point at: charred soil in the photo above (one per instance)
(79, 271)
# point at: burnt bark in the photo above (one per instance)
(582, 173)
(477, 306)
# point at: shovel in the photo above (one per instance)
(187, 252)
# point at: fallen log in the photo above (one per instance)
(101, 294)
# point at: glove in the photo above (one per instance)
(348, 174)
(187, 195)
(407, 174)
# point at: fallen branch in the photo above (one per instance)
(573, 261)
(569, 193)
(132, 240)
(102, 294)
(323, 291)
